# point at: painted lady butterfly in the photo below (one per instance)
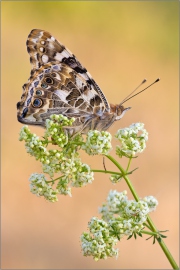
(59, 84)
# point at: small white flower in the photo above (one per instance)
(98, 243)
(97, 142)
(133, 140)
(115, 203)
(127, 216)
(40, 187)
(24, 132)
(133, 208)
(151, 202)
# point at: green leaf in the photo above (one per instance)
(129, 237)
(140, 234)
(159, 239)
(163, 236)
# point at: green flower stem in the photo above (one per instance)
(54, 179)
(151, 224)
(128, 164)
(124, 175)
(103, 171)
(145, 224)
(163, 246)
(149, 233)
(46, 142)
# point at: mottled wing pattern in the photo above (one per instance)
(60, 85)
(44, 48)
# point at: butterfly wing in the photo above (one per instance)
(59, 84)
(56, 88)
(44, 48)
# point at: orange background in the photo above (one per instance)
(120, 43)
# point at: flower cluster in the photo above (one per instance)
(133, 140)
(152, 203)
(54, 128)
(98, 242)
(120, 217)
(40, 187)
(65, 161)
(115, 203)
(97, 142)
(34, 146)
(74, 172)
(131, 213)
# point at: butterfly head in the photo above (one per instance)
(119, 110)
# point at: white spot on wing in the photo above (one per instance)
(88, 96)
(35, 56)
(70, 53)
(79, 83)
(62, 95)
(41, 49)
(59, 56)
(51, 46)
(31, 118)
(84, 75)
(34, 40)
(89, 75)
(58, 77)
(41, 34)
(45, 58)
(65, 53)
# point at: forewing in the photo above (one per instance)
(44, 48)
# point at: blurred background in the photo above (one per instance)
(120, 43)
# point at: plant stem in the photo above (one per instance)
(55, 179)
(149, 233)
(147, 226)
(103, 171)
(128, 164)
(151, 224)
(124, 175)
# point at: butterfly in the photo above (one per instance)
(59, 84)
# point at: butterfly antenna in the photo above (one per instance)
(132, 92)
(127, 98)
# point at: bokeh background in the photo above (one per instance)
(120, 43)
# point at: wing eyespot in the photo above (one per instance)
(39, 93)
(37, 103)
(44, 85)
(49, 80)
